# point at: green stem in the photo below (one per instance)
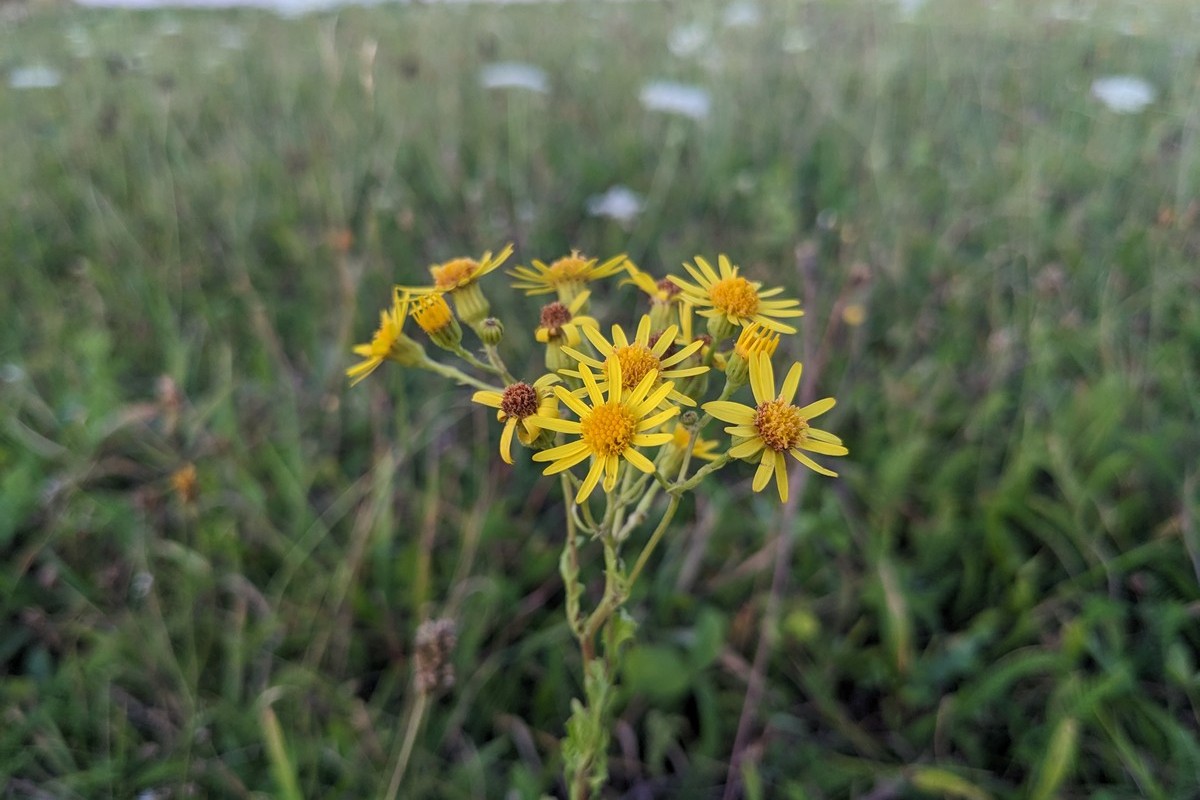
(447, 371)
(410, 738)
(469, 357)
(493, 357)
(655, 537)
(712, 466)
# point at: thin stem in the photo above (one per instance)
(712, 466)
(493, 357)
(447, 371)
(469, 357)
(655, 537)
(410, 737)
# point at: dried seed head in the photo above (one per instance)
(554, 316)
(519, 400)
(435, 643)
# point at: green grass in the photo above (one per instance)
(998, 597)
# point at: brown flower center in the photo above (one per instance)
(668, 288)
(554, 316)
(519, 400)
(780, 424)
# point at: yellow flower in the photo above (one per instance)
(609, 429)
(730, 301)
(662, 292)
(433, 315)
(518, 406)
(640, 357)
(776, 426)
(560, 322)
(664, 295)
(459, 278)
(458, 273)
(388, 343)
(753, 339)
(566, 276)
(705, 449)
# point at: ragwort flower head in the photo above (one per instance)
(459, 278)
(566, 276)
(389, 343)
(518, 407)
(560, 322)
(433, 315)
(640, 357)
(731, 301)
(775, 426)
(610, 428)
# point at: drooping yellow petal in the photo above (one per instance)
(593, 477)
(506, 440)
(762, 475)
(814, 466)
(781, 476)
(639, 461)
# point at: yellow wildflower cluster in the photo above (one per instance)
(605, 399)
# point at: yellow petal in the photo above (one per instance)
(727, 411)
(808, 462)
(491, 399)
(763, 475)
(791, 383)
(506, 440)
(818, 408)
(781, 477)
(639, 461)
(589, 483)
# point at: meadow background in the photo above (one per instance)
(998, 598)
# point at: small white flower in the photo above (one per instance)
(676, 98)
(1125, 94)
(513, 75)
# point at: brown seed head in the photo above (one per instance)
(519, 400)
(435, 643)
(554, 316)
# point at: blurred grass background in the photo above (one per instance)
(998, 598)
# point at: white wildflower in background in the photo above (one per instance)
(619, 203)
(514, 75)
(35, 76)
(676, 98)
(687, 40)
(1125, 94)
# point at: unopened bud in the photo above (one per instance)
(491, 331)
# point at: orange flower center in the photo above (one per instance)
(567, 269)
(636, 361)
(735, 296)
(609, 429)
(519, 400)
(454, 273)
(780, 424)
